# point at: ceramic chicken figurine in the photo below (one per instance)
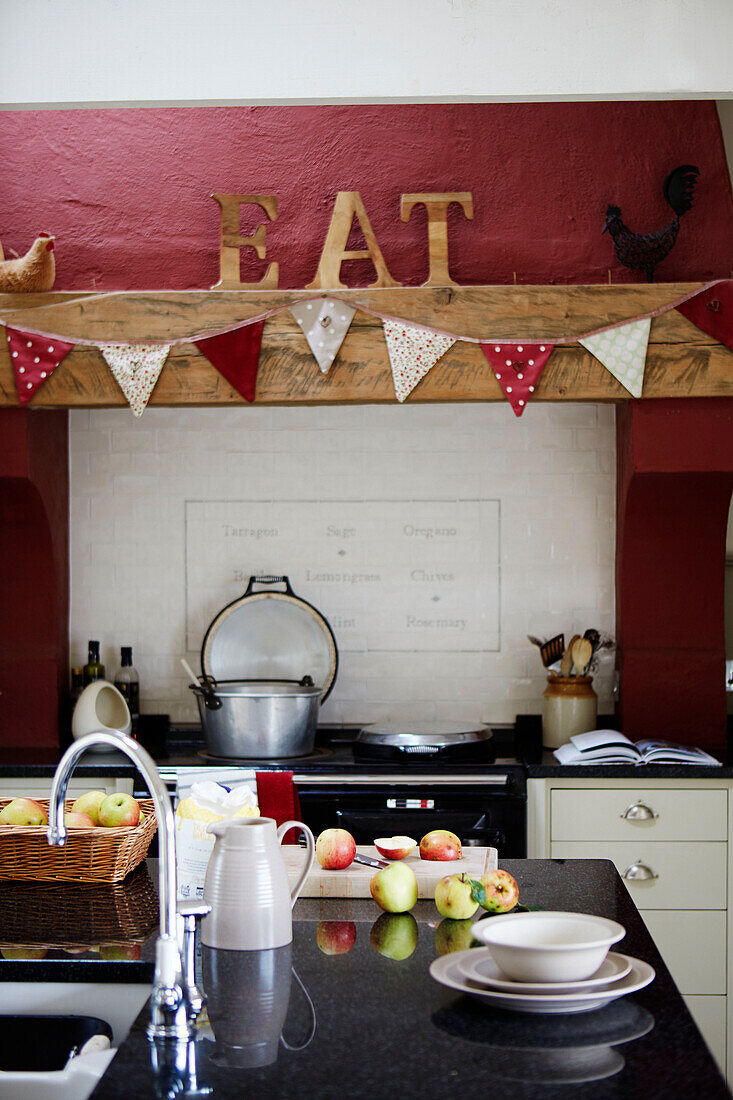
(33, 272)
(643, 251)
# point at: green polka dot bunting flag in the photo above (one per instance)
(622, 351)
(136, 368)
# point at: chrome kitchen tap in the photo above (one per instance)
(171, 1011)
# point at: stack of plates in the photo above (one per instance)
(475, 972)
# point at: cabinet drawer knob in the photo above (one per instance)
(639, 811)
(639, 872)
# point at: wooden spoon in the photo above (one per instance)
(567, 658)
(581, 652)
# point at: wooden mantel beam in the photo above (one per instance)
(682, 361)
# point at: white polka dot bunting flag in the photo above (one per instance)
(412, 353)
(136, 368)
(622, 351)
(324, 324)
(34, 359)
(517, 368)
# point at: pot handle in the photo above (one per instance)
(310, 854)
(269, 580)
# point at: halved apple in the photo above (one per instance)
(395, 847)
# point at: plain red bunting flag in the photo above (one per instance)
(236, 355)
(34, 359)
(712, 311)
(518, 368)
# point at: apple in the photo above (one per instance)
(394, 888)
(395, 847)
(335, 937)
(394, 935)
(23, 811)
(115, 952)
(119, 811)
(78, 821)
(502, 892)
(89, 803)
(440, 844)
(453, 935)
(24, 952)
(454, 898)
(335, 849)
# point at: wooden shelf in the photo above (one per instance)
(682, 361)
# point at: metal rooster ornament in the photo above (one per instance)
(643, 251)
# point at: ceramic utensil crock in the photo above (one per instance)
(569, 706)
(247, 885)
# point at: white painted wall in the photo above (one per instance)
(552, 472)
(84, 51)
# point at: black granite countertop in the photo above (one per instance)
(31, 762)
(361, 1023)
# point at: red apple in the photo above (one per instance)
(335, 937)
(78, 821)
(335, 849)
(440, 844)
(89, 803)
(119, 810)
(23, 811)
(502, 892)
(395, 847)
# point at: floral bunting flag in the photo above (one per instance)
(712, 311)
(412, 353)
(236, 355)
(324, 326)
(518, 368)
(34, 359)
(622, 351)
(136, 369)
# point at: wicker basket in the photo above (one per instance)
(90, 855)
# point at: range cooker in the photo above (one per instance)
(477, 792)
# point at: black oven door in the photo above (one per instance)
(479, 815)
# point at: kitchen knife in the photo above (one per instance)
(370, 861)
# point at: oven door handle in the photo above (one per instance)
(308, 779)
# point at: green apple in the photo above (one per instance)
(23, 811)
(114, 952)
(394, 888)
(23, 952)
(119, 810)
(394, 935)
(454, 898)
(89, 803)
(453, 935)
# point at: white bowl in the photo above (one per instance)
(100, 707)
(548, 947)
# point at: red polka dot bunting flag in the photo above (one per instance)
(518, 368)
(712, 311)
(34, 359)
(412, 353)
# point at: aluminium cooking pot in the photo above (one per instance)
(257, 719)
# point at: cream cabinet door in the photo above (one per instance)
(710, 1016)
(598, 814)
(693, 945)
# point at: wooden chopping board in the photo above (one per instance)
(353, 881)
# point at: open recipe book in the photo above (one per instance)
(612, 747)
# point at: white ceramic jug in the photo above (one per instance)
(247, 885)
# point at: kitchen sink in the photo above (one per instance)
(49, 1021)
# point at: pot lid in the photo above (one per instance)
(409, 734)
(270, 636)
(258, 689)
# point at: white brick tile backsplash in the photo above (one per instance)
(139, 578)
